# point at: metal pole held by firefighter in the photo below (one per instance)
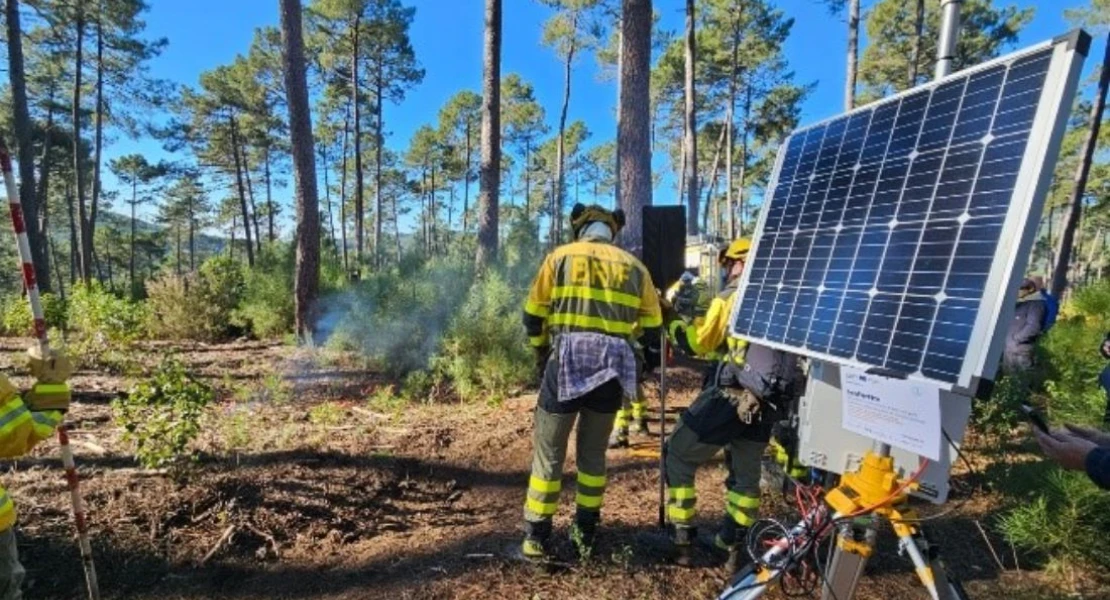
(19, 226)
(663, 350)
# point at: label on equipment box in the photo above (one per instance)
(898, 412)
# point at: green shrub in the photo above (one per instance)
(1064, 521)
(197, 307)
(267, 306)
(161, 415)
(396, 320)
(15, 314)
(484, 352)
(94, 311)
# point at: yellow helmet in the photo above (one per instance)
(737, 250)
(582, 215)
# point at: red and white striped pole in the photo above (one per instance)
(19, 225)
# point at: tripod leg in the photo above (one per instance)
(854, 544)
(912, 542)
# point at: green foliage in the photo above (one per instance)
(161, 415)
(1061, 516)
(267, 306)
(1071, 356)
(1000, 413)
(1065, 521)
(884, 67)
(327, 414)
(396, 320)
(197, 307)
(484, 352)
(15, 314)
(103, 326)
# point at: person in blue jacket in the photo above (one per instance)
(1079, 449)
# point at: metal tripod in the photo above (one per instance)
(872, 493)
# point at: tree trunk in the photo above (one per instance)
(177, 240)
(489, 173)
(918, 32)
(25, 150)
(241, 190)
(635, 125)
(466, 177)
(307, 282)
(359, 208)
(85, 253)
(131, 255)
(250, 196)
(853, 55)
(744, 159)
(432, 210)
(730, 113)
(269, 194)
(1067, 238)
(74, 241)
(713, 183)
(396, 227)
(620, 81)
(379, 139)
(343, 190)
(327, 197)
(560, 145)
(691, 147)
(192, 236)
(98, 143)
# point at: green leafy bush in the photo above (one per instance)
(15, 314)
(267, 306)
(396, 320)
(1065, 521)
(196, 306)
(485, 353)
(102, 326)
(1061, 516)
(161, 415)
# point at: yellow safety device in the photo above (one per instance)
(737, 250)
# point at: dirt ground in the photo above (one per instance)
(305, 489)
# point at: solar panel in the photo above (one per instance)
(890, 234)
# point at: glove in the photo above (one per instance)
(670, 315)
(746, 404)
(48, 396)
(50, 391)
(653, 357)
(55, 367)
(543, 354)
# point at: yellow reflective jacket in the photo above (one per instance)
(20, 429)
(709, 339)
(591, 286)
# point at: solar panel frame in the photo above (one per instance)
(1026, 200)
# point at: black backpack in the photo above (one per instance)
(768, 372)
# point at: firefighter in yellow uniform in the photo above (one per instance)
(586, 303)
(24, 422)
(743, 395)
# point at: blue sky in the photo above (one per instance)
(447, 36)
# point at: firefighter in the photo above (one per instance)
(24, 422)
(584, 306)
(745, 392)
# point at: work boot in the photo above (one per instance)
(642, 426)
(684, 539)
(732, 541)
(619, 438)
(584, 533)
(536, 537)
